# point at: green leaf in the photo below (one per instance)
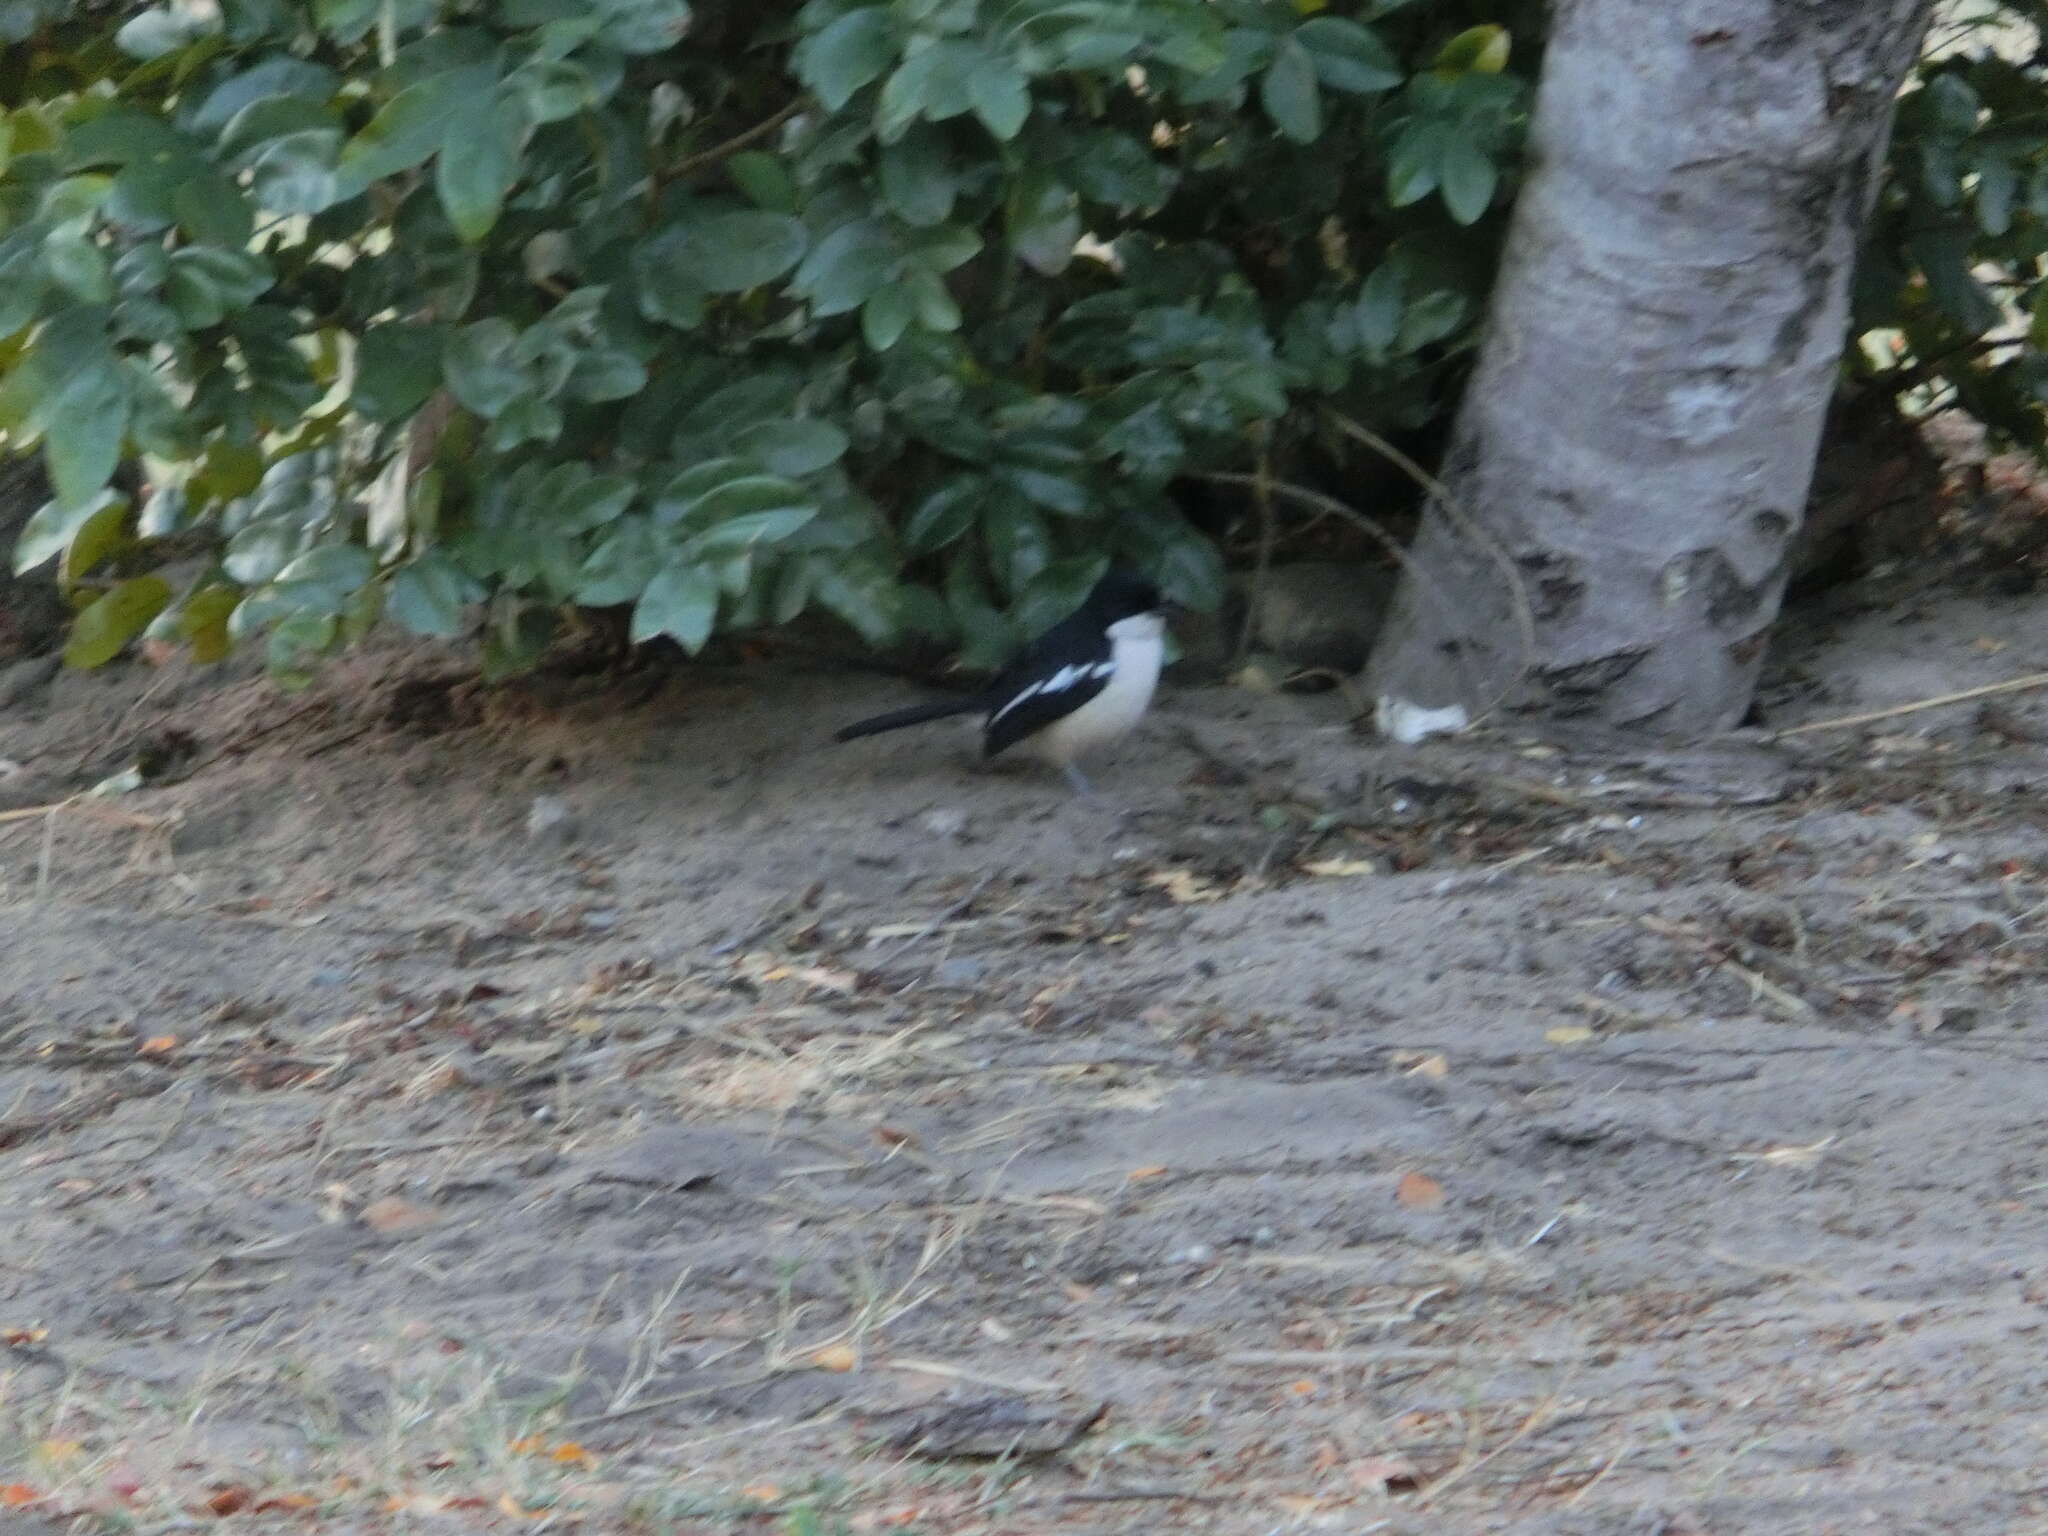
(681, 602)
(747, 495)
(554, 89)
(618, 570)
(933, 301)
(113, 619)
(1467, 179)
(885, 317)
(478, 361)
(397, 367)
(1288, 92)
(748, 529)
(943, 516)
(793, 446)
(861, 592)
(1044, 223)
(83, 430)
(1055, 592)
(206, 283)
(837, 61)
(932, 84)
(155, 33)
(296, 173)
(1191, 571)
(1347, 56)
(1019, 543)
(48, 533)
(688, 487)
(428, 595)
(479, 163)
(846, 267)
(1001, 96)
(202, 621)
(296, 643)
(917, 176)
(1997, 189)
(607, 374)
(414, 123)
(733, 252)
(1430, 318)
(1412, 162)
(765, 180)
(78, 266)
(98, 537)
(326, 576)
(1481, 50)
(259, 551)
(1056, 493)
(516, 636)
(1945, 257)
(664, 290)
(1377, 315)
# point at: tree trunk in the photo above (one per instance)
(1639, 438)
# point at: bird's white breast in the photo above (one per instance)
(1137, 649)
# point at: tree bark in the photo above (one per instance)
(1639, 437)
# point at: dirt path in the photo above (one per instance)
(598, 1104)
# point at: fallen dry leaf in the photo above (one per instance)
(836, 1357)
(158, 1045)
(59, 1450)
(1183, 886)
(20, 1337)
(230, 1500)
(283, 1501)
(1384, 1474)
(1340, 869)
(1568, 1034)
(889, 1136)
(840, 983)
(762, 1493)
(1789, 1157)
(392, 1214)
(1418, 1191)
(1430, 1064)
(1149, 1171)
(14, 1495)
(511, 1508)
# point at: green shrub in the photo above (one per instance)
(913, 311)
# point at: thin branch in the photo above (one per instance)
(1842, 722)
(731, 146)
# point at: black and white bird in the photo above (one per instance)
(1079, 686)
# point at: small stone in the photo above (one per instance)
(958, 972)
(947, 823)
(1194, 1254)
(551, 820)
(23, 678)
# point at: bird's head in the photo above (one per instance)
(1123, 594)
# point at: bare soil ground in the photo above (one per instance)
(600, 1104)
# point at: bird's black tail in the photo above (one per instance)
(917, 714)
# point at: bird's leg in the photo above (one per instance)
(1079, 780)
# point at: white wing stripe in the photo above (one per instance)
(1059, 682)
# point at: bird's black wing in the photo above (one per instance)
(1064, 669)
